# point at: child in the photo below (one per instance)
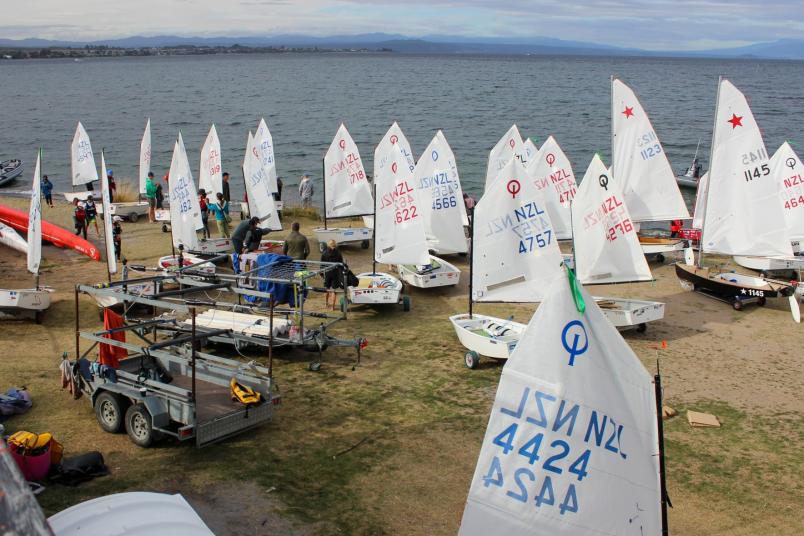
(117, 236)
(202, 202)
(221, 211)
(80, 218)
(91, 213)
(47, 191)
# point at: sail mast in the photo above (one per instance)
(471, 255)
(657, 382)
(374, 232)
(709, 182)
(611, 136)
(324, 180)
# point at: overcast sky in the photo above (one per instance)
(649, 24)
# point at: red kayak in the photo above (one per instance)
(54, 234)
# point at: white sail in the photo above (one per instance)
(606, 245)
(788, 171)
(742, 204)
(260, 202)
(515, 248)
(509, 146)
(108, 232)
(346, 186)
(572, 444)
(210, 175)
(551, 171)
(185, 212)
(384, 153)
(11, 238)
(436, 178)
(399, 236)
(34, 255)
(529, 152)
(145, 156)
(639, 163)
(700, 202)
(265, 148)
(81, 158)
(198, 222)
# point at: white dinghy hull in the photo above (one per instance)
(627, 314)
(772, 264)
(169, 263)
(376, 289)
(130, 211)
(343, 235)
(21, 300)
(439, 273)
(486, 335)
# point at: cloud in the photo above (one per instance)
(651, 24)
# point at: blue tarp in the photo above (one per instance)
(278, 266)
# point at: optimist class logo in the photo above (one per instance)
(394, 138)
(393, 167)
(342, 144)
(574, 329)
(513, 187)
(551, 159)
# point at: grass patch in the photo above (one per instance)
(126, 191)
(310, 213)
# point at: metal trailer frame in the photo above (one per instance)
(177, 411)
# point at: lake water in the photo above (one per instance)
(304, 97)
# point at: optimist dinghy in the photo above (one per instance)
(10, 170)
(642, 170)
(35, 299)
(438, 187)
(347, 193)
(741, 210)
(514, 251)
(83, 168)
(574, 438)
(607, 249)
(551, 171)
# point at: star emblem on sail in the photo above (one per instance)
(571, 444)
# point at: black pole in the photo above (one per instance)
(192, 353)
(324, 181)
(271, 341)
(77, 327)
(471, 254)
(657, 383)
(374, 232)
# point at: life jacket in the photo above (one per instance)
(80, 213)
(244, 395)
(675, 225)
(30, 444)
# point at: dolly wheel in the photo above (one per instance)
(762, 301)
(660, 258)
(364, 244)
(642, 328)
(737, 304)
(138, 426)
(133, 217)
(406, 303)
(109, 409)
(164, 228)
(39, 316)
(471, 359)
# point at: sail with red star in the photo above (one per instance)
(639, 163)
(743, 216)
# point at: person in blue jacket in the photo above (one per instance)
(47, 191)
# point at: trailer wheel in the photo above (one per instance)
(471, 359)
(761, 301)
(642, 328)
(660, 258)
(109, 410)
(133, 217)
(406, 303)
(364, 244)
(763, 274)
(138, 426)
(164, 228)
(737, 304)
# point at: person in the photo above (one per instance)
(306, 191)
(254, 237)
(333, 279)
(47, 191)
(221, 211)
(112, 185)
(79, 218)
(92, 213)
(150, 195)
(117, 236)
(696, 168)
(226, 194)
(160, 197)
(202, 202)
(296, 244)
(675, 228)
(468, 202)
(242, 232)
(278, 193)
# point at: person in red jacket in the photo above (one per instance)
(675, 228)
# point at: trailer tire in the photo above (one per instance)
(133, 217)
(109, 410)
(471, 359)
(364, 244)
(138, 426)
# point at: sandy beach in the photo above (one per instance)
(411, 416)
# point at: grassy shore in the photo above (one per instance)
(390, 447)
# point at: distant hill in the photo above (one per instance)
(441, 44)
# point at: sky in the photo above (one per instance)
(647, 24)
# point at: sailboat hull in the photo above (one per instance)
(375, 289)
(168, 263)
(731, 287)
(487, 335)
(343, 235)
(439, 273)
(771, 264)
(627, 314)
(687, 181)
(654, 245)
(17, 301)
